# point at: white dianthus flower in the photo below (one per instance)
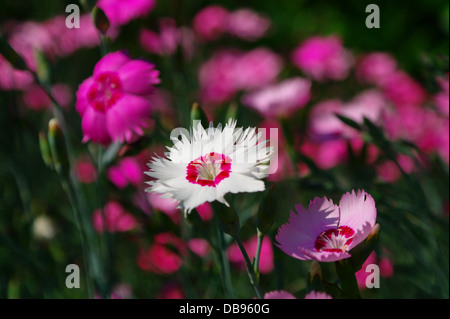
(206, 164)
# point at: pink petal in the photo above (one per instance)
(111, 62)
(94, 128)
(358, 211)
(138, 77)
(82, 95)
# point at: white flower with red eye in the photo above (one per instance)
(206, 164)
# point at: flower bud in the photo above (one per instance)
(100, 20)
(58, 147)
(45, 150)
(197, 114)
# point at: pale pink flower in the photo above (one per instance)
(388, 171)
(164, 255)
(112, 102)
(375, 68)
(327, 232)
(211, 22)
(199, 246)
(326, 154)
(278, 294)
(247, 24)
(114, 218)
(323, 58)
(266, 264)
(163, 43)
(281, 99)
(120, 12)
(318, 295)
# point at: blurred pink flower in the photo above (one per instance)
(325, 125)
(389, 172)
(211, 22)
(12, 79)
(257, 68)
(278, 294)
(229, 71)
(323, 58)
(385, 265)
(164, 43)
(403, 90)
(115, 218)
(120, 12)
(37, 99)
(199, 246)
(112, 102)
(375, 68)
(247, 24)
(327, 232)
(171, 290)
(318, 295)
(441, 99)
(127, 171)
(266, 258)
(164, 255)
(281, 99)
(85, 170)
(205, 211)
(325, 154)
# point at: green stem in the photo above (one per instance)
(224, 264)
(258, 254)
(347, 279)
(250, 271)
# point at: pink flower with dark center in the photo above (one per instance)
(327, 232)
(120, 12)
(114, 218)
(113, 102)
(323, 58)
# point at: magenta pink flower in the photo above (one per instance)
(376, 68)
(266, 258)
(441, 99)
(326, 154)
(247, 24)
(278, 294)
(37, 99)
(327, 232)
(112, 102)
(164, 256)
(120, 12)
(211, 22)
(281, 99)
(403, 90)
(115, 218)
(384, 263)
(127, 171)
(323, 58)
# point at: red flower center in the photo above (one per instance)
(209, 170)
(335, 240)
(105, 91)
